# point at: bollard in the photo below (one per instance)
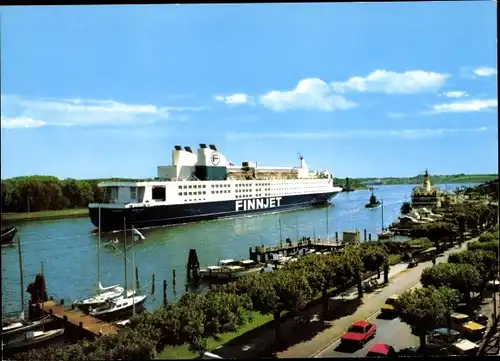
(173, 277)
(153, 285)
(165, 299)
(51, 312)
(137, 278)
(65, 319)
(62, 302)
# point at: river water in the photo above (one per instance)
(69, 252)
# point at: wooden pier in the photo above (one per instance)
(84, 325)
(263, 254)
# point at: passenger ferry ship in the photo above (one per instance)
(203, 186)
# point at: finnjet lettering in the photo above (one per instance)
(259, 203)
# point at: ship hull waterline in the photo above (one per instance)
(170, 215)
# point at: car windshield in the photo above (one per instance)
(357, 329)
(373, 354)
(462, 320)
(390, 301)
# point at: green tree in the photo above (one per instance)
(425, 308)
(485, 262)
(462, 277)
(406, 208)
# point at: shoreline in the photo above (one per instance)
(14, 218)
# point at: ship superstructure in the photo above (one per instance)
(204, 185)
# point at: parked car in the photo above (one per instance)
(413, 263)
(481, 318)
(493, 285)
(359, 333)
(464, 324)
(389, 308)
(381, 350)
(451, 340)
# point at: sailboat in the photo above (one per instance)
(18, 325)
(384, 234)
(122, 304)
(103, 293)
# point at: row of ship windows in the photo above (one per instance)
(200, 186)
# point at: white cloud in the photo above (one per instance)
(362, 133)
(21, 122)
(67, 112)
(309, 93)
(238, 98)
(390, 82)
(472, 105)
(485, 71)
(455, 94)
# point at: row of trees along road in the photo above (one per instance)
(197, 317)
(446, 284)
(43, 193)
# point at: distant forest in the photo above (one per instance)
(435, 179)
(42, 193)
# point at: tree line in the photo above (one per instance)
(224, 308)
(435, 179)
(43, 193)
(447, 284)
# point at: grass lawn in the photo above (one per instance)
(394, 258)
(182, 352)
(44, 215)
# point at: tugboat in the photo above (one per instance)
(373, 203)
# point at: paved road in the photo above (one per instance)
(390, 331)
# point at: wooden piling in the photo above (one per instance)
(369, 236)
(193, 264)
(153, 285)
(165, 299)
(337, 236)
(137, 278)
(365, 233)
(173, 277)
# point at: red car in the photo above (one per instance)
(359, 332)
(381, 350)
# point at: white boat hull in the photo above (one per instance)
(119, 305)
(19, 327)
(31, 338)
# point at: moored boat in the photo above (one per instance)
(32, 338)
(20, 325)
(114, 307)
(7, 235)
(230, 269)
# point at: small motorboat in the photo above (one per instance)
(32, 338)
(7, 235)
(230, 269)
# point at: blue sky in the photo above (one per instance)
(384, 89)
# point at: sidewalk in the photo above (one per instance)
(307, 340)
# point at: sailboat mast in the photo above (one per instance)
(382, 206)
(21, 272)
(99, 254)
(125, 251)
(135, 282)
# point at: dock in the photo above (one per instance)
(84, 325)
